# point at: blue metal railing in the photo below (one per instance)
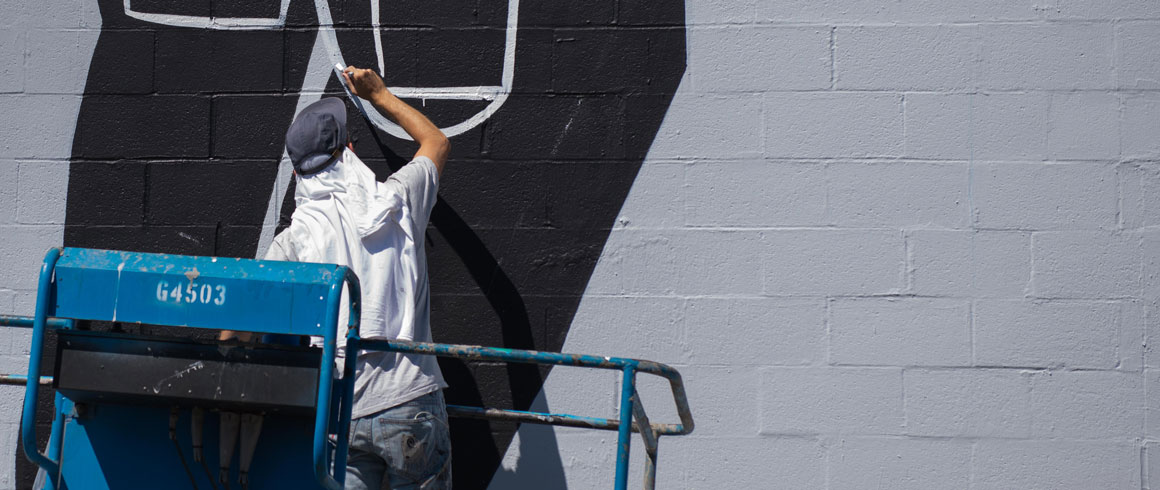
(631, 417)
(326, 378)
(630, 405)
(477, 353)
(28, 427)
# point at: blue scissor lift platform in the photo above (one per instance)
(134, 411)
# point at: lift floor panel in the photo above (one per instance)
(109, 446)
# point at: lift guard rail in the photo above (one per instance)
(632, 416)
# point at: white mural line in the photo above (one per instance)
(497, 95)
(479, 92)
(375, 13)
(318, 72)
(274, 206)
(313, 83)
(220, 23)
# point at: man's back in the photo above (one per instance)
(399, 430)
(343, 216)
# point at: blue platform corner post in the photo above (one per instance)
(624, 431)
(353, 338)
(322, 460)
(28, 417)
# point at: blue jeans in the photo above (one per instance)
(408, 446)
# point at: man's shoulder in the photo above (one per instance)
(419, 170)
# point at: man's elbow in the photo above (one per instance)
(442, 143)
(438, 144)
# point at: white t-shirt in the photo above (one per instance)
(377, 229)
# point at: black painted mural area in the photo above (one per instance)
(181, 130)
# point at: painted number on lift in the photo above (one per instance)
(192, 292)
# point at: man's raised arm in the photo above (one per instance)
(433, 143)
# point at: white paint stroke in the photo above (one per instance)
(375, 13)
(220, 23)
(479, 92)
(497, 95)
(317, 74)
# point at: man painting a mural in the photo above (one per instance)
(187, 157)
(399, 429)
(898, 244)
(195, 150)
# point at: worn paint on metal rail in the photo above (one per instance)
(21, 380)
(475, 352)
(630, 406)
(651, 441)
(478, 353)
(561, 419)
(27, 321)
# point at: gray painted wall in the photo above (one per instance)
(895, 244)
(45, 49)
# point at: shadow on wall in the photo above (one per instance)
(180, 133)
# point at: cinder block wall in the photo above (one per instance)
(894, 245)
(891, 244)
(44, 56)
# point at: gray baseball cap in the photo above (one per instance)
(314, 136)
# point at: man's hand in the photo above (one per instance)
(364, 83)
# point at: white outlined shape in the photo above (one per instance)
(222, 23)
(483, 92)
(496, 94)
